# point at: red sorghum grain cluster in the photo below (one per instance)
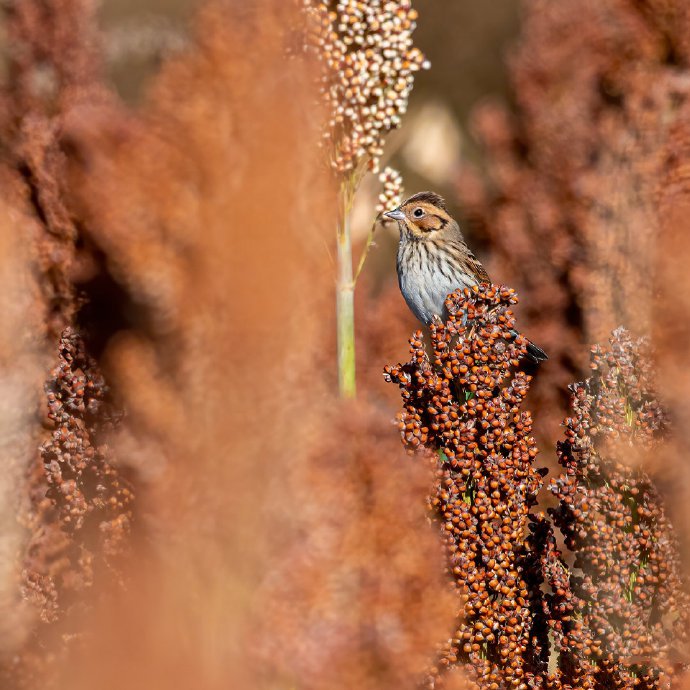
(464, 401)
(81, 503)
(610, 613)
(628, 610)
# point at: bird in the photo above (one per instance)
(434, 260)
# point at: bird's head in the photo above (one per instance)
(423, 216)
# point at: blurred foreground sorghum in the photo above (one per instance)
(369, 63)
(147, 286)
(465, 403)
(75, 506)
(360, 598)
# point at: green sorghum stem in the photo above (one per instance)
(345, 302)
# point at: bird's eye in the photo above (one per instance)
(418, 212)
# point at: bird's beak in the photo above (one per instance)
(395, 214)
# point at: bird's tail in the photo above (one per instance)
(535, 353)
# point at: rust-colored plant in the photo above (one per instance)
(82, 506)
(360, 598)
(165, 316)
(628, 615)
(612, 617)
(464, 402)
(567, 193)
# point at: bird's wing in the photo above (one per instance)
(475, 268)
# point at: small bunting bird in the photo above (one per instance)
(434, 260)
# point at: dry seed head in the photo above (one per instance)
(464, 403)
(628, 593)
(80, 492)
(369, 63)
(392, 194)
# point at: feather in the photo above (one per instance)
(474, 267)
(430, 198)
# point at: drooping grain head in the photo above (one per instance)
(369, 63)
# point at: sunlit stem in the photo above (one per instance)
(345, 303)
(365, 252)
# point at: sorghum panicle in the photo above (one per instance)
(369, 63)
(628, 596)
(83, 518)
(464, 402)
(392, 194)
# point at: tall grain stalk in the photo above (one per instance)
(368, 66)
(345, 296)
